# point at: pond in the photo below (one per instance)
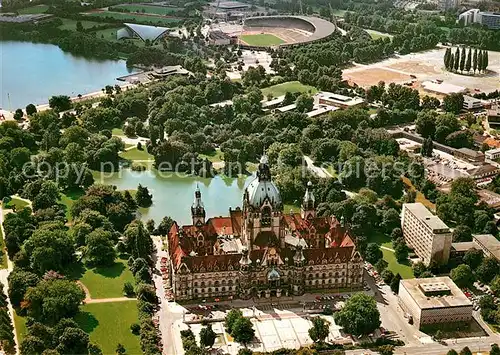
(32, 72)
(174, 195)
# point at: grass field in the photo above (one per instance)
(136, 154)
(213, 157)
(109, 324)
(108, 34)
(67, 199)
(20, 323)
(69, 24)
(339, 13)
(137, 18)
(107, 282)
(148, 9)
(3, 254)
(17, 203)
(38, 9)
(404, 270)
(420, 196)
(290, 86)
(264, 39)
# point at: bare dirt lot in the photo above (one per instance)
(424, 66)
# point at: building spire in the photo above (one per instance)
(198, 209)
(308, 203)
(264, 173)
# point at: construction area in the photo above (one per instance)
(425, 69)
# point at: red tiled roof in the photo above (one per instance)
(317, 255)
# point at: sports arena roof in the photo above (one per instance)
(322, 28)
(144, 32)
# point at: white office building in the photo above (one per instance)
(426, 234)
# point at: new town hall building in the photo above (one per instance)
(261, 251)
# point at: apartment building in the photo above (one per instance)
(426, 234)
(433, 301)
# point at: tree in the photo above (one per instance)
(79, 26)
(495, 350)
(373, 253)
(462, 60)
(453, 103)
(100, 248)
(304, 103)
(395, 283)
(446, 58)
(53, 300)
(456, 63)
(473, 257)
(485, 60)
(120, 349)
(419, 268)
(30, 109)
(381, 265)
(143, 197)
(468, 62)
(452, 352)
(18, 115)
(386, 349)
(128, 289)
(474, 61)
(480, 61)
(243, 331)
(401, 252)
(60, 103)
(488, 270)
(19, 282)
(319, 330)
(465, 351)
(231, 318)
(452, 62)
(462, 275)
(73, 341)
(427, 147)
(387, 276)
(207, 336)
(462, 233)
(359, 316)
(495, 285)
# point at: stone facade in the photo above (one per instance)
(260, 251)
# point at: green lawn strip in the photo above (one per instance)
(107, 282)
(149, 9)
(290, 86)
(338, 12)
(21, 330)
(136, 154)
(404, 270)
(68, 198)
(3, 255)
(216, 156)
(118, 132)
(263, 39)
(381, 239)
(17, 203)
(108, 325)
(70, 24)
(108, 33)
(287, 208)
(38, 9)
(137, 18)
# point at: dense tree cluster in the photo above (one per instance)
(359, 316)
(464, 60)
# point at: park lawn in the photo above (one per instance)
(405, 271)
(215, 156)
(338, 12)
(38, 9)
(376, 35)
(137, 18)
(19, 204)
(136, 154)
(20, 324)
(290, 86)
(3, 254)
(108, 325)
(148, 9)
(263, 39)
(287, 208)
(69, 24)
(420, 196)
(68, 198)
(108, 33)
(381, 239)
(107, 282)
(118, 132)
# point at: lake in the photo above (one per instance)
(174, 195)
(32, 72)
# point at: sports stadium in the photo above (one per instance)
(273, 31)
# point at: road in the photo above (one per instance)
(316, 169)
(169, 313)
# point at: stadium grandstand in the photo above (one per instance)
(279, 30)
(144, 32)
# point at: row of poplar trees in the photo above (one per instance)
(465, 60)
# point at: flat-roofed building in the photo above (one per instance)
(219, 38)
(342, 101)
(471, 103)
(426, 234)
(433, 301)
(470, 155)
(492, 154)
(488, 244)
(442, 88)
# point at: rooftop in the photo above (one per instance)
(463, 246)
(470, 152)
(321, 110)
(442, 88)
(423, 214)
(488, 242)
(454, 297)
(229, 5)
